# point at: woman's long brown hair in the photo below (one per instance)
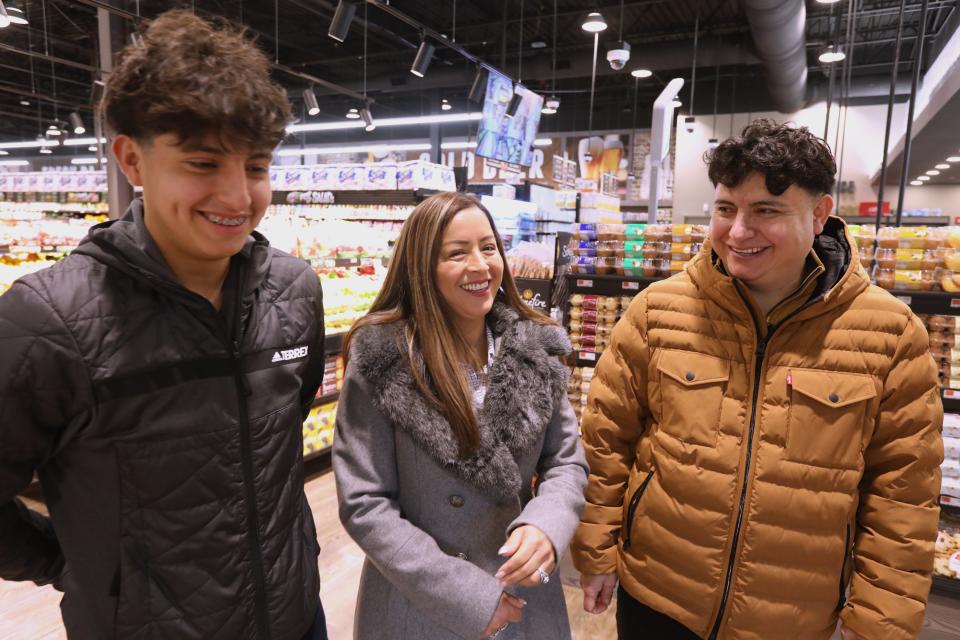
(435, 349)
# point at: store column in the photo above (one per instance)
(112, 34)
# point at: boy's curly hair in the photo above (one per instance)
(191, 77)
(784, 154)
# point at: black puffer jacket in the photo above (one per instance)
(167, 438)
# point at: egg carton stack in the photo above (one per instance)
(592, 318)
(654, 250)
(944, 334)
(578, 388)
(950, 469)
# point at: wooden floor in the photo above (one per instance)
(31, 613)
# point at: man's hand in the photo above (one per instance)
(529, 549)
(597, 591)
(508, 610)
(848, 634)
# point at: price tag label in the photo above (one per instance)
(951, 394)
(955, 303)
(905, 299)
(631, 286)
(585, 283)
(588, 355)
(949, 500)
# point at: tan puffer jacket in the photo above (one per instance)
(741, 509)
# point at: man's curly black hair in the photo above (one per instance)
(784, 154)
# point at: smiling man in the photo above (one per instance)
(156, 380)
(763, 431)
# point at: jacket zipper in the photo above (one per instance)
(631, 510)
(843, 569)
(759, 355)
(246, 453)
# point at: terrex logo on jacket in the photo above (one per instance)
(287, 355)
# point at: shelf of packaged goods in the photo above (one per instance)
(326, 399)
(946, 586)
(332, 343)
(350, 197)
(930, 302)
(905, 221)
(605, 285)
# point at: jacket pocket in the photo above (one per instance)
(692, 387)
(182, 537)
(826, 417)
(632, 508)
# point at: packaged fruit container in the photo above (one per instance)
(938, 339)
(909, 238)
(950, 281)
(951, 259)
(583, 264)
(659, 233)
(633, 249)
(612, 232)
(586, 248)
(908, 259)
(632, 267)
(863, 234)
(951, 237)
(605, 265)
(636, 232)
(585, 232)
(682, 233)
(946, 324)
(652, 250)
(609, 248)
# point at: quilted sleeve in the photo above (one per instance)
(898, 515)
(612, 424)
(43, 384)
(450, 591)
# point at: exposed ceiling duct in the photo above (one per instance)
(778, 34)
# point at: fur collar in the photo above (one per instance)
(526, 381)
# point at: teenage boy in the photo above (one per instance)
(764, 430)
(157, 378)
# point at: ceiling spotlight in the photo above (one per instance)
(933, 172)
(828, 1)
(641, 73)
(367, 117)
(551, 105)
(4, 16)
(953, 159)
(46, 150)
(538, 42)
(916, 183)
(422, 61)
(310, 101)
(14, 13)
(942, 166)
(594, 23)
(92, 147)
(4, 152)
(24, 102)
(832, 54)
(676, 104)
(53, 131)
(353, 114)
(445, 105)
(478, 90)
(923, 178)
(77, 123)
(515, 101)
(342, 17)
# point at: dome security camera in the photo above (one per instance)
(619, 56)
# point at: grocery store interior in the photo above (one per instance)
(581, 125)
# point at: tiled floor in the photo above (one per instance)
(31, 613)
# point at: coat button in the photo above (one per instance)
(834, 398)
(690, 376)
(462, 556)
(456, 501)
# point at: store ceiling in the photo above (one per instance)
(51, 64)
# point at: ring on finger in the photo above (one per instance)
(500, 630)
(544, 576)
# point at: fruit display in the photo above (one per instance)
(346, 298)
(318, 428)
(655, 250)
(918, 259)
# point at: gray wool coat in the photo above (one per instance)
(430, 522)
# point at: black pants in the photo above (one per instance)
(637, 621)
(318, 630)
